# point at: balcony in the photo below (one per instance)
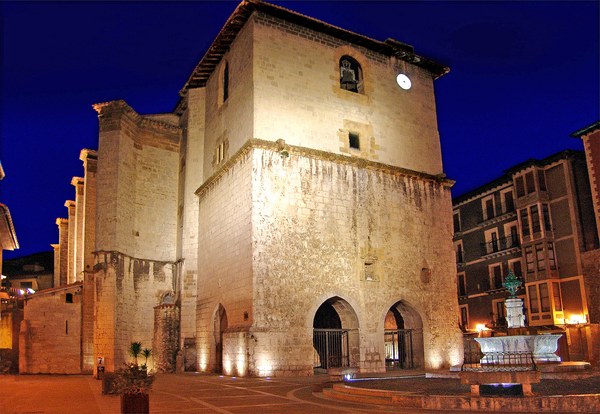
(500, 247)
(498, 218)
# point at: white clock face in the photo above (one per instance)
(403, 81)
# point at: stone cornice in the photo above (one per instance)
(69, 203)
(281, 147)
(105, 108)
(88, 154)
(77, 181)
(61, 220)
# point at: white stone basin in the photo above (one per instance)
(543, 348)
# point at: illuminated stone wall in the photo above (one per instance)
(314, 221)
(50, 336)
(297, 97)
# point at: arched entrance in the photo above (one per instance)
(335, 335)
(403, 337)
(219, 327)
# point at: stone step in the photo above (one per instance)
(359, 398)
(346, 389)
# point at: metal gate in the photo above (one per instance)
(399, 348)
(332, 348)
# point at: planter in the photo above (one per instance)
(135, 404)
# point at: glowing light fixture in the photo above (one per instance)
(403, 81)
(30, 290)
(481, 327)
(576, 320)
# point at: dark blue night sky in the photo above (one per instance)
(524, 75)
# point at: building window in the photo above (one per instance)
(516, 267)
(520, 186)
(546, 216)
(551, 258)
(539, 253)
(457, 222)
(226, 82)
(533, 299)
(495, 276)
(509, 203)
(69, 298)
(26, 285)
(499, 311)
(488, 207)
(525, 223)
(544, 297)
(530, 259)
(514, 236)
(530, 182)
(464, 317)
(459, 253)
(462, 284)
(556, 296)
(535, 220)
(541, 180)
(353, 140)
(350, 74)
(220, 152)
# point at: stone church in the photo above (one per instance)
(290, 215)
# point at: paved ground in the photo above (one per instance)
(184, 393)
(196, 393)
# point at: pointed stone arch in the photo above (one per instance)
(403, 336)
(335, 334)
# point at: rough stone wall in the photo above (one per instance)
(56, 275)
(316, 222)
(224, 257)
(192, 168)
(591, 144)
(50, 336)
(232, 121)
(137, 183)
(591, 280)
(90, 161)
(165, 344)
(126, 293)
(297, 97)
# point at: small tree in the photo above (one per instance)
(146, 353)
(135, 349)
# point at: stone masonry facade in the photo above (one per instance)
(219, 231)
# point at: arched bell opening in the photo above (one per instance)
(335, 335)
(403, 337)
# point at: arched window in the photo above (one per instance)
(351, 77)
(226, 81)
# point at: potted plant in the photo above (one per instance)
(133, 383)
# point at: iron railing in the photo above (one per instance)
(500, 244)
(399, 348)
(332, 347)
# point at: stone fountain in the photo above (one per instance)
(498, 349)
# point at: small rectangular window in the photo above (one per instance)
(525, 223)
(354, 140)
(509, 203)
(535, 220)
(551, 258)
(462, 285)
(529, 259)
(459, 254)
(456, 222)
(489, 209)
(69, 298)
(544, 297)
(541, 260)
(496, 275)
(556, 295)
(542, 180)
(533, 299)
(520, 186)
(516, 268)
(546, 215)
(464, 317)
(530, 181)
